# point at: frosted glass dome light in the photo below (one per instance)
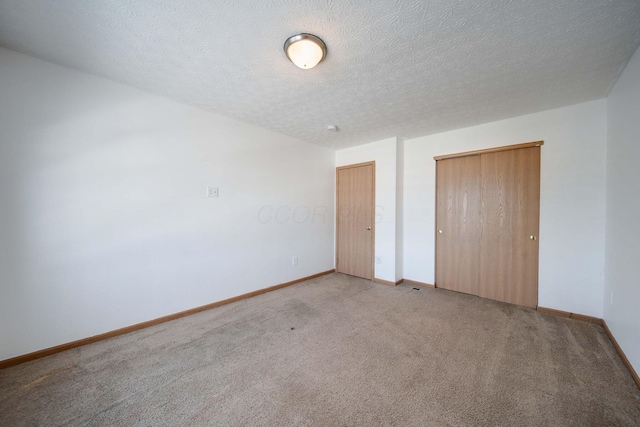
(305, 50)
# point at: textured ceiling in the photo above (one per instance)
(394, 67)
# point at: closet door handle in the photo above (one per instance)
(440, 231)
(533, 237)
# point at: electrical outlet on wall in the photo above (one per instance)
(378, 260)
(212, 192)
(611, 297)
(294, 260)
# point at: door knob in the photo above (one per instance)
(369, 228)
(533, 237)
(440, 231)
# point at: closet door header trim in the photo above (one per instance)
(490, 150)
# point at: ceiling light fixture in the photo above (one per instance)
(305, 50)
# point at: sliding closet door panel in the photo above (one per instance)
(458, 224)
(510, 214)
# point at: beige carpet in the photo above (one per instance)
(336, 351)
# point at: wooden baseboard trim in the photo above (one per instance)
(387, 282)
(84, 341)
(601, 322)
(569, 315)
(623, 356)
(416, 283)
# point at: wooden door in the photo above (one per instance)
(458, 224)
(510, 215)
(355, 202)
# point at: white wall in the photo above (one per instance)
(399, 209)
(104, 221)
(384, 154)
(622, 280)
(572, 214)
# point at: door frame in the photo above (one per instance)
(373, 213)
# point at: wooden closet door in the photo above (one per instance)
(355, 202)
(458, 224)
(510, 215)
